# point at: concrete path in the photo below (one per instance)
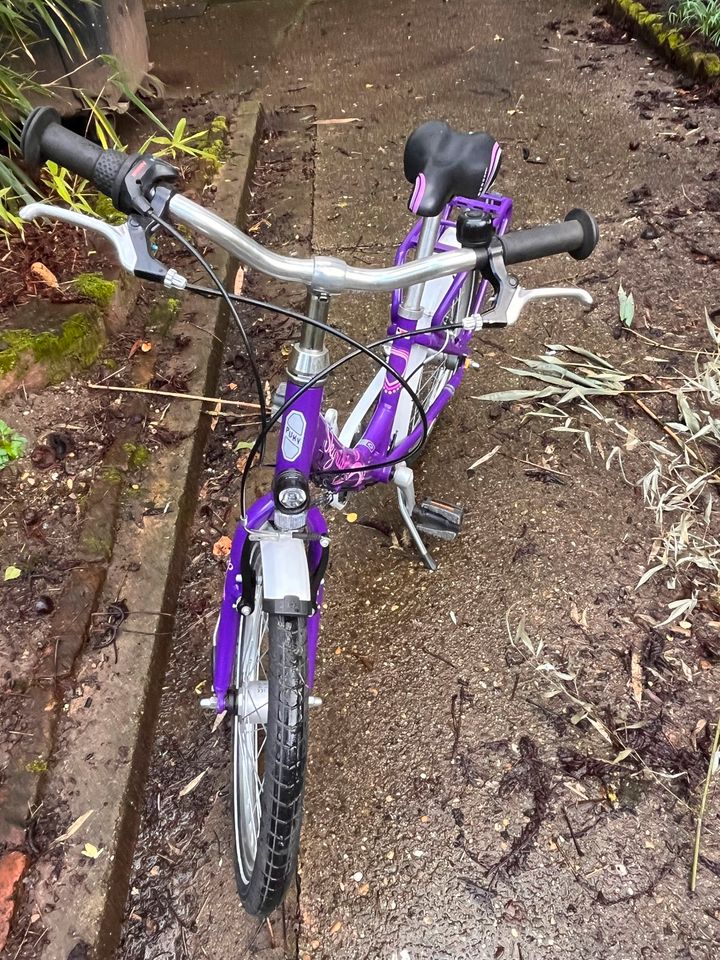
(444, 817)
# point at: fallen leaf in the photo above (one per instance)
(11, 573)
(636, 673)
(336, 927)
(221, 547)
(73, 828)
(189, 787)
(239, 281)
(321, 123)
(579, 618)
(484, 459)
(364, 889)
(43, 274)
(135, 347)
(91, 851)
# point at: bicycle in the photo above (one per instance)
(449, 280)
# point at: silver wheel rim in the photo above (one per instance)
(430, 388)
(249, 738)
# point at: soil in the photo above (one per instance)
(56, 247)
(85, 451)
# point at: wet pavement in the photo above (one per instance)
(455, 808)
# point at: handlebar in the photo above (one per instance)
(131, 180)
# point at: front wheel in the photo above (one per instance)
(269, 727)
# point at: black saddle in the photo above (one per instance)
(444, 164)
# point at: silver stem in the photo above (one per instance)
(425, 248)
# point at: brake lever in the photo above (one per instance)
(511, 298)
(130, 241)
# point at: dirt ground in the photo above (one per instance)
(463, 798)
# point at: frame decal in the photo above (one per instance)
(293, 435)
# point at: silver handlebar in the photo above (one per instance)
(321, 274)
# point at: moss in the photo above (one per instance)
(655, 30)
(93, 286)
(37, 766)
(112, 475)
(77, 343)
(138, 455)
(215, 150)
(95, 546)
(104, 208)
(164, 313)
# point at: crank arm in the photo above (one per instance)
(129, 241)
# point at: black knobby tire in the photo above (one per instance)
(283, 778)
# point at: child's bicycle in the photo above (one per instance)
(449, 280)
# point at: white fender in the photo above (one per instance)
(285, 569)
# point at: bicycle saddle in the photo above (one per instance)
(444, 164)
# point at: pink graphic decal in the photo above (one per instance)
(492, 168)
(333, 455)
(418, 193)
(392, 384)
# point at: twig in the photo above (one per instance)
(666, 429)
(530, 463)
(168, 393)
(438, 656)
(703, 803)
(231, 413)
(572, 832)
(662, 346)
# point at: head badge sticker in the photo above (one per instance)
(293, 435)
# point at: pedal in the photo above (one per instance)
(438, 519)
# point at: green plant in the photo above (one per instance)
(20, 21)
(701, 16)
(12, 445)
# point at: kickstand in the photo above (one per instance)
(403, 479)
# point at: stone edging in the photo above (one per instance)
(654, 30)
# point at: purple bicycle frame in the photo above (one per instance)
(309, 444)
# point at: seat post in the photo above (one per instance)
(410, 307)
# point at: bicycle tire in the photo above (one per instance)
(262, 884)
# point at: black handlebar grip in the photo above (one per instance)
(577, 235)
(44, 138)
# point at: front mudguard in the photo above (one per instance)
(290, 570)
